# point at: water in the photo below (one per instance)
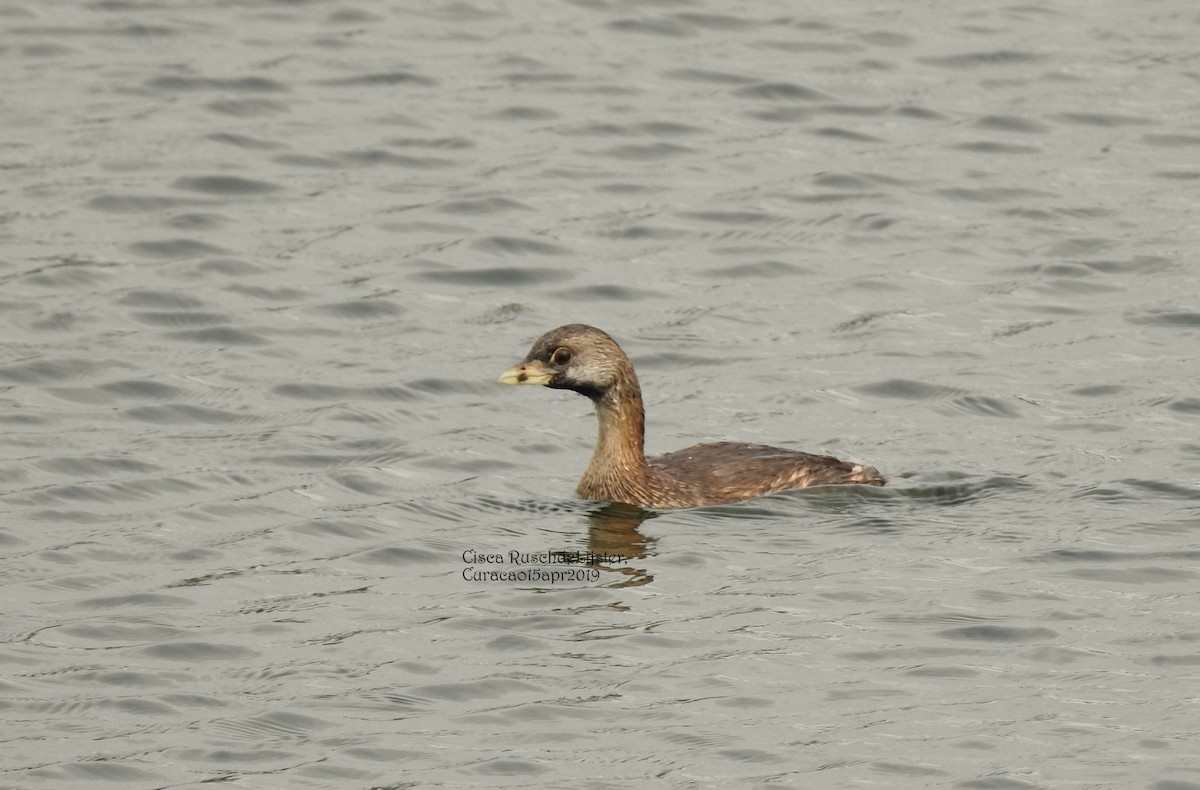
(262, 264)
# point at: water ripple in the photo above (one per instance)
(224, 185)
(781, 91)
(986, 59)
(176, 83)
(497, 275)
(383, 79)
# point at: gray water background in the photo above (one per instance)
(262, 262)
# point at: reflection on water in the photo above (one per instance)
(260, 263)
(614, 531)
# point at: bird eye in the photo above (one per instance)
(561, 356)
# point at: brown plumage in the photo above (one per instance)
(584, 359)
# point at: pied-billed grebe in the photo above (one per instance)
(584, 359)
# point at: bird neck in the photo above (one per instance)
(620, 444)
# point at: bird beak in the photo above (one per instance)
(533, 372)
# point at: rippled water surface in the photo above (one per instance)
(262, 263)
